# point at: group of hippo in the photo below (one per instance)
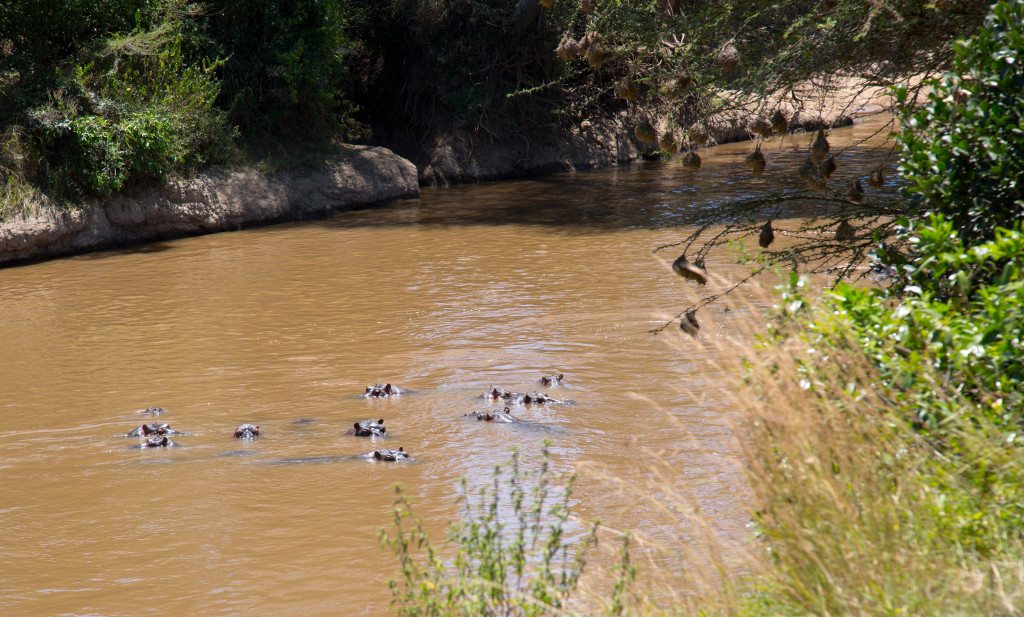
(158, 435)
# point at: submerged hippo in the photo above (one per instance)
(387, 455)
(533, 398)
(247, 431)
(552, 380)
(157, 441)
(152, 428)
(503, 416)
(383, 391)
(151, 411)
(368, 428)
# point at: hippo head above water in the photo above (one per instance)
(383, 391)
(247, 431)
(368, 428)
(388, 455)
(152, 428)
(495, 394)
(552, 380)
(159, 441)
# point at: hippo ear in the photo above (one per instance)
(560, 377)
(381, 421)
(376, 454)
(356, 425)
(401, 448)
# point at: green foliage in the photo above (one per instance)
(961, 314)
(103, 94)
(136, 111)
(509, 553)
(963, 151)
(286, 70)
(110, 152)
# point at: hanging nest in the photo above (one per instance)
(546, 3)
(568, 49)
(675, 88)
(588, 6)
(595, 56)
(687, 270)
(844, 231)
(767, 236)
(816, 182)
(856, 192)
(761, 127)
(827, 167)
(592, 47)
(807, 169)
(820, 147)
(644, 133)
(689, 324)
(728, 57)
(755, 161)
(780, 125)
(697, 135)
(627, 90)
(877, 178)
(668, 144)
(691, 160)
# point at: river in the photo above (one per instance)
(448, 294)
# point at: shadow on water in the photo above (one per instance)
(642, 196)
(138, 249)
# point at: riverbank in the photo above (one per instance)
(459, 155)
(217, 199)
(231, 198)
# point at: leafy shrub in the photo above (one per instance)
(963, 151)
(961, 314)
(136, 110)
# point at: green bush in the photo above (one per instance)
(960, 313)
(963, 151)
(135, 111)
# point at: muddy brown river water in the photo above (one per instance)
(284, 326)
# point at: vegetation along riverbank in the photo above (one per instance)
(882, 424)
(116, 97)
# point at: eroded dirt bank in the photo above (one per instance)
(218, 199)
(458, 155)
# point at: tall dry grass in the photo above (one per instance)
(853, 510)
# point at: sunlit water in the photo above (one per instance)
(466, 287)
